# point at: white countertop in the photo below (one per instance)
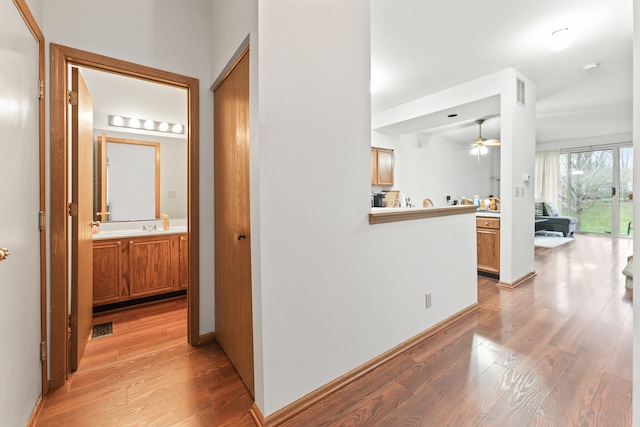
(494, 214)
(121, 230)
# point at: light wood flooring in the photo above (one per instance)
(556, 352)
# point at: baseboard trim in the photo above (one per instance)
(206, 338)
(300, 405)
(256, 415)
(33, 419)
(518, 282)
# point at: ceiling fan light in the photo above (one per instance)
(474, 151)
(483, 150)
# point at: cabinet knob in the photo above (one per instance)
(4, 253)
(119, 243)
(486, 223)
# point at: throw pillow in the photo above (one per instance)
(539, 209)
(550, 209)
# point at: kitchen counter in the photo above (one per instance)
(382, 215)
(492, 214)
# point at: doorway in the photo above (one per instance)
(61, 59)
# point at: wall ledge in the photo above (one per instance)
(394, 215)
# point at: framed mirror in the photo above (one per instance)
(128, 174)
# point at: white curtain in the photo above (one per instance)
(547, 174)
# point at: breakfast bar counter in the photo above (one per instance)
(383, 215)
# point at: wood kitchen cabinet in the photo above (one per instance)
(488, 244)
(137, 267)
(381, 166)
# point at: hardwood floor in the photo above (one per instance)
(147, 374)
(555, 351)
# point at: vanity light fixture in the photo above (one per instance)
(135, 123)
(560, 39)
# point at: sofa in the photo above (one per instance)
(552, 221)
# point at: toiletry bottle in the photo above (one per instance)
(165, 221)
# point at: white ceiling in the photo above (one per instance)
(420, 47)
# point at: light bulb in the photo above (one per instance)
(148, 124)
(483, 150)
(164, 126)
(134, 123)
(177, 128)
(117, 121)
(474, 151)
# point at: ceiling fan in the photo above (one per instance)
(480, 144)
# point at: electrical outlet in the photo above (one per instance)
(428, 299)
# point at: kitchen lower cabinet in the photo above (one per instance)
(137, 267)
(488, 244)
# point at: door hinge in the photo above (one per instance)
(43, 221)
(73, 209)
(41, 87)
(73, 97)
(73, 321)
(43, 351)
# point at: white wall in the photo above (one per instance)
(172, 36)
(431, 166)
(336, 291)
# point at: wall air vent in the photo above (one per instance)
(520, 91)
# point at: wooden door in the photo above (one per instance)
(81, 321)
(234, 320)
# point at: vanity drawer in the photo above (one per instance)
(486, 222)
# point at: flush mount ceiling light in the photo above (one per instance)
(559, 40)
(135, 123)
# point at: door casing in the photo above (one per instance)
(61, 58)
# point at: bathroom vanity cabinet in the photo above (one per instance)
(136, 267)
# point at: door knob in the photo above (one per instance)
(242, 236)
(95, 223)
(4, 253)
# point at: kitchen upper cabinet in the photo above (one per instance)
(488, 244)
(381, 166)
(137, 267)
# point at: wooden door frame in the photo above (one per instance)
(31, 23)
(61, 58)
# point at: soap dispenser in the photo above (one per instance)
(165, 221)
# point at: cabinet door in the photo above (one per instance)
(183, 249)
(385, 167)
(488, 247)
(374, 166)
(151, 265)
(107, 274)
